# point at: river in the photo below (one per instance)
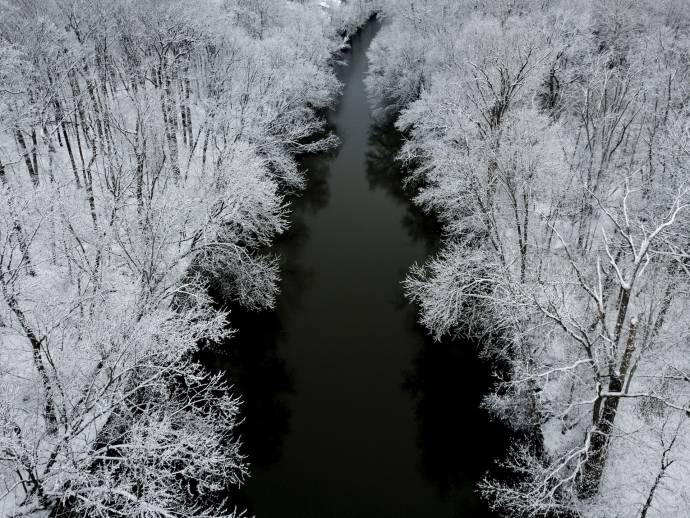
(350, 409)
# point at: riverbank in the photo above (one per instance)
(121, 165)
(530, 130)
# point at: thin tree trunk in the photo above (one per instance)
(183, 114)
(34, 150)
(204, 149)
(187, 93)
(33, 173)
(76, 95)
(141, 155)
(17, 229)
(88, 183)
(48, 141)
(68, 145)
(49, 407)
(79, 147)
(169, 120)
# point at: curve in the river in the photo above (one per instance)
(350, 409)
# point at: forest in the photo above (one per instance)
(551, 140)
(144, 148)
(150, 155)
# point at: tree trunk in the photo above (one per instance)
(68, 145)
(187, 93)
(49, 407)
(141, 155)
(169, 120)
(79, 146)
(88, 182)
(33, 173)
(34, 150)
(48, 142)
(603, 417)
(17, 229)
(76, 95)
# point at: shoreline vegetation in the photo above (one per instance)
(551, 140)
(139, 139)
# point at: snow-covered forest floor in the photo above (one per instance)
(146, 149)
(552, 141)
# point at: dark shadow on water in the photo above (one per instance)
(315, 197)
(385, 172)
(457, 439)
(250, 359)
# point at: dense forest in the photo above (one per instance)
(551, 140)
(149, 150)
(146, 149)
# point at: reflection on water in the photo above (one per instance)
(446, 380)
(350, 410)
(456, 439)
(383, 173)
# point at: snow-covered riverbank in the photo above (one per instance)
(552, 142)
(139, 140)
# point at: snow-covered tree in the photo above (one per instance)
(550, 139)
(146, 150)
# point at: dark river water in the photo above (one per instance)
(350, 409)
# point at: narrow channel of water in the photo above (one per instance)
(350, 409)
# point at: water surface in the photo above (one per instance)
(350, 409)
